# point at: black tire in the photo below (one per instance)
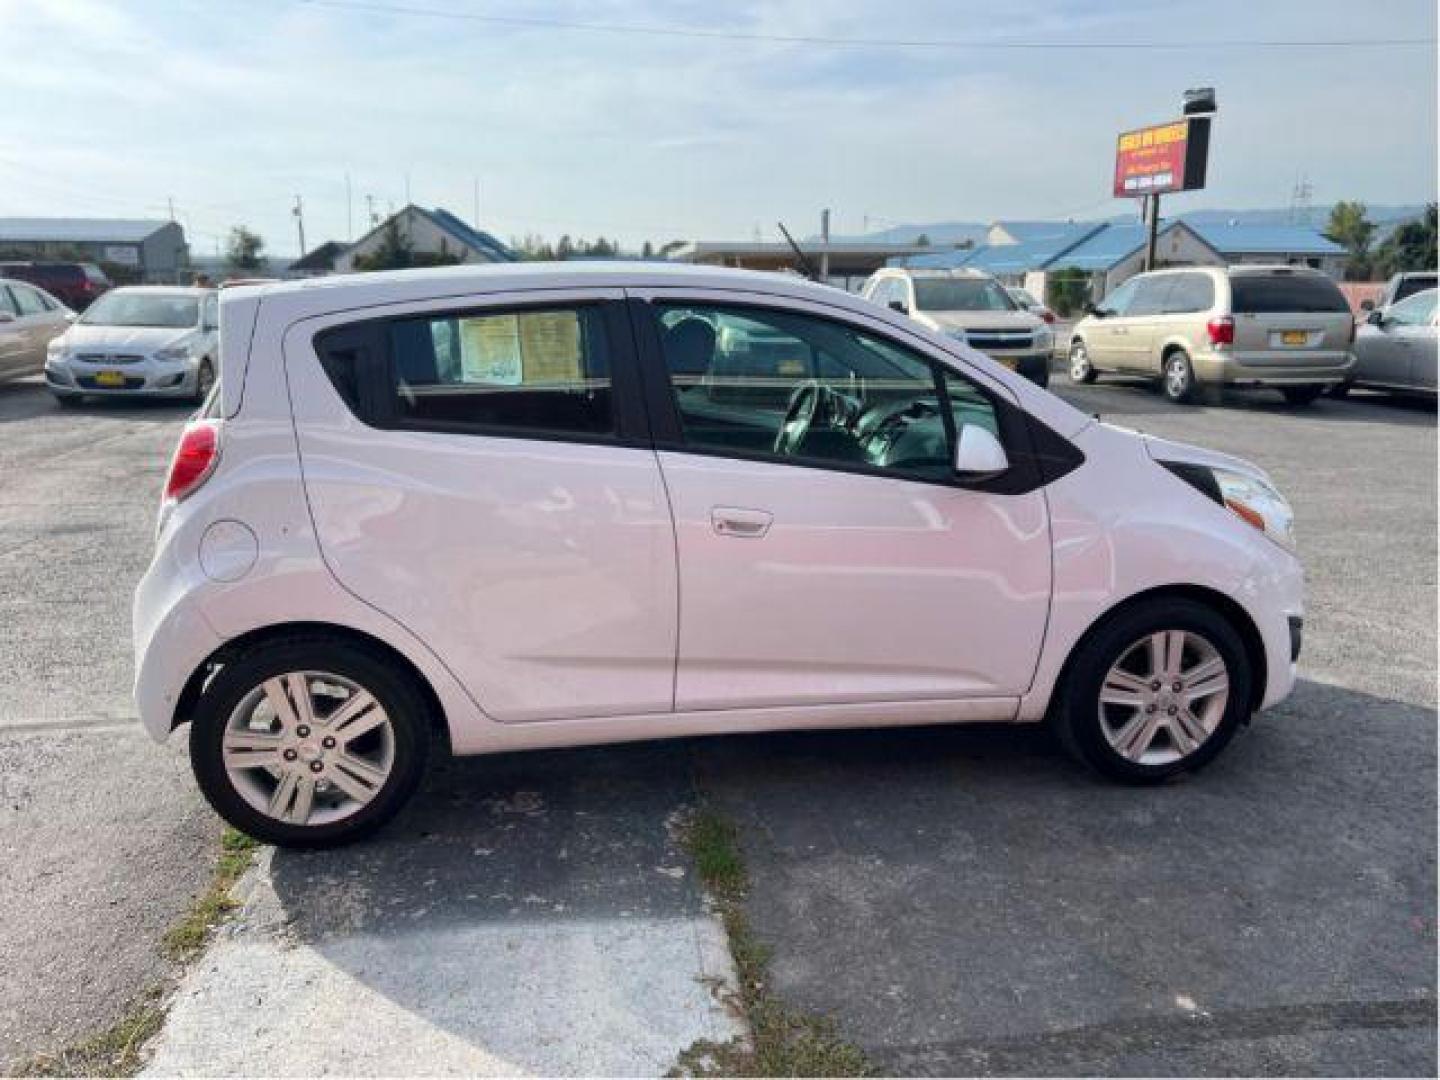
(68, 401)
(1301, 395)
(1177, 379)
(204, 380)
(1340, 391)
(1077, 716)
(396, 693)
(1080, 368)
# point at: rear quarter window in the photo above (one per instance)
(1285, 294)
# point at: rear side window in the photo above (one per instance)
(7, 302)
(28, 300)
(540, 371)
(1268, 294)
(1150, 296)
(1190, 293)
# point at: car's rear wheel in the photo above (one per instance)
(1178, 378)
(1302, 395)
(1340, 391)
(308, 742)
(1156, 691)
(1081, 370)
(68, 401)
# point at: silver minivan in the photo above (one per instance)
(1198, 329)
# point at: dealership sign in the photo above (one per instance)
(1165, 157)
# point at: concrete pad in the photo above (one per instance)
(530, 914)
(555, 998)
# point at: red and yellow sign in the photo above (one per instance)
(1165, 157)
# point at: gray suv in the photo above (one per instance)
(1198, 329)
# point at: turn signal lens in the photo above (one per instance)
(195, 459)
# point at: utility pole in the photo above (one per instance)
(824, 245)
(349, 215)
(370, 211)
(299, 213)
(170, 200)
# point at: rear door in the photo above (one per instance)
(1291, 320)
(1412, 325)
(1145, 316)
(479, 470)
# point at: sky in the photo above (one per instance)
(926, 110)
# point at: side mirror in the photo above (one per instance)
(979, 453)
(1376, 317)
(899, 305)
(1367, 305)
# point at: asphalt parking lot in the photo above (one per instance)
(961, 901)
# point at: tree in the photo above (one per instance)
(1066, 290)
(923, 240)
(1353, 230)
(647, 250)
(1410, 247)
(244, 251)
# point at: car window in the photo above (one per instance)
(1151, 294)
(211, 316)
(1416, 311)
(801, 388)
(537, 370)
(1118, 302)
(1189, 293)
(7, 302)
(961, 294)
(1412, 284)
(28, 300)
(1265, 294)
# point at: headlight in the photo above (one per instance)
(1255, 502)
(1249, 498)
(55, 351)
(174, 352)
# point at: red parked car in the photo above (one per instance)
(74, 284)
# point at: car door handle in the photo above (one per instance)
(741, 523)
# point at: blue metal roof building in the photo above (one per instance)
(1294, 240)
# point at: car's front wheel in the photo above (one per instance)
(307, 742)
(1302, 395)
(1158, 690)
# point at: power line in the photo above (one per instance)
(1169, 45)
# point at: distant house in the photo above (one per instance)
(1026, 252)
(151, 251)
(431, 232)
(318, 262)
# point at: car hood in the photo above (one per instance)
(147, 338)
(948, 322)
(1167, 450)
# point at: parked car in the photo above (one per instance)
(29, 319)
(142, 340)
(1401, 287)
(1199, 329)
(536, 505)
(74, 284)
(972, 307)
(1024, 299)
(1397, 348)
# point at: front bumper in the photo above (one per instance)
(150, 377)
(1231, 369)
(1034, 366)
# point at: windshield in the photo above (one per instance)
(174, 310)
(961, 294)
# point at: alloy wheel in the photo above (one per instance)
(1177, 376)
(1164, 697)
(1079, 363)
(308, 748)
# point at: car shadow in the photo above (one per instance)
(945, 893)
(1117, 396)
(28, 399)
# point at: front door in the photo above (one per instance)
(476, 472)
(827, 554)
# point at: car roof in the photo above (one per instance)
(169, 290)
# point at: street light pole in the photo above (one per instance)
(1152, 228)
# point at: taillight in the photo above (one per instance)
(1221, 331)
(1048, 315)
(195, 459)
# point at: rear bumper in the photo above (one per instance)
(1230, 369)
